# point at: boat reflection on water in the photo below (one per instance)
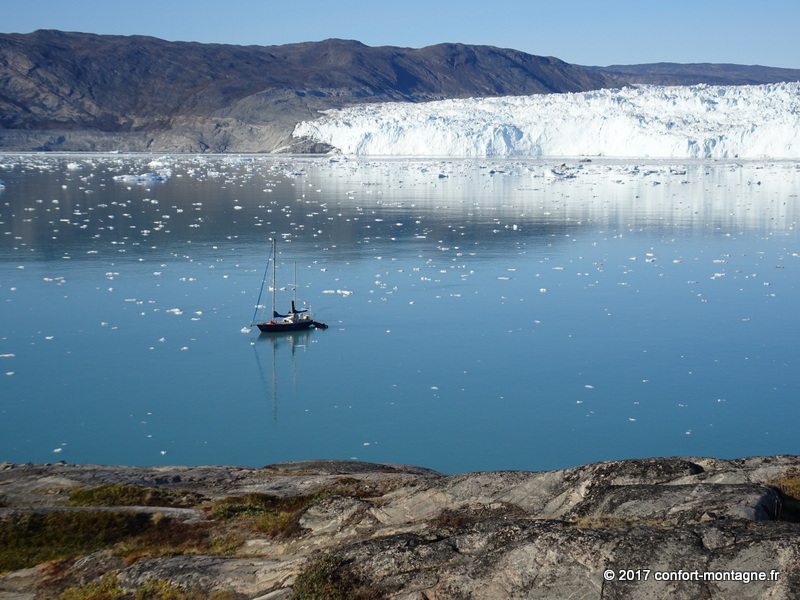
(278, 351)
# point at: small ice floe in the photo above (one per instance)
(144, 178)
(175, 311)
(7, 355)
(245, 330)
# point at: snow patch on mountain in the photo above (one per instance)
(700, 121)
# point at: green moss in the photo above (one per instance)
(116, 494)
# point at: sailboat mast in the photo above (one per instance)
(274, 260)
(294, 285)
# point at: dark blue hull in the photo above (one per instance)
(276, 327)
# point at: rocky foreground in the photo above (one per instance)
(650, 528)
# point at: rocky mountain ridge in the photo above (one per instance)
(84, 92)
(148, 94)
(699, 73)
(635, 529)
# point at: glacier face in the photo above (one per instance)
(700, 121)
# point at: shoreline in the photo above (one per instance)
(407, 532)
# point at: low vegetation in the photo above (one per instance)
(279, 516)
(117, 494)
(28, 539)
(601, 522)
(330, 578)
(108, 587)
(58, 537)
(275, 516)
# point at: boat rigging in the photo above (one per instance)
(294, 320)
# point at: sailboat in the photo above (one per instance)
(294, 320)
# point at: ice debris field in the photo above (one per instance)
(630, 307)
(703, 121)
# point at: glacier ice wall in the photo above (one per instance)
(646, 121)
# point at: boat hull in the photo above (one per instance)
(277, 327)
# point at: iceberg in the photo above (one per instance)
(702, 121)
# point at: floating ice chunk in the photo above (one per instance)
(144, 178)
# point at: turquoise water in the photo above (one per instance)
(483, 315)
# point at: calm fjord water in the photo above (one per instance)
(483, 314)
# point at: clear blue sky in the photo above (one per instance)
(587, 32)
